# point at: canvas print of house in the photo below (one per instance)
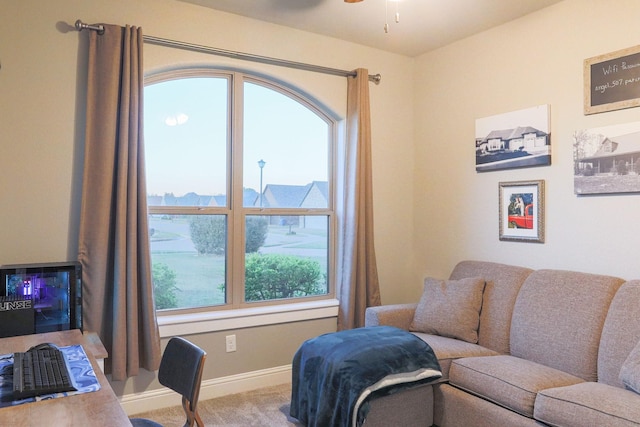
(607, 160)
(513, 140)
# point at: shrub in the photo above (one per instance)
(621, 168)
(164, 286)
(275, 276)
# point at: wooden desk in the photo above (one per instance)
(99, 408)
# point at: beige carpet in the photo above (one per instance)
(267, 407)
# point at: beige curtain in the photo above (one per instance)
(358, 274)
(113, 242)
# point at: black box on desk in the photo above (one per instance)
(17, 316)
(55, 291)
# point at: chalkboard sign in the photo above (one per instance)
(612, 81)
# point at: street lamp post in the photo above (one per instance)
(261, 164)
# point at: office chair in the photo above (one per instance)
(181, 370)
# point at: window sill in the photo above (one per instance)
(213, 321)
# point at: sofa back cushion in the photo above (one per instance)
(620, 333)
(502, 283)
(558, 318)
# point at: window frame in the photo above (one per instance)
(236, 213)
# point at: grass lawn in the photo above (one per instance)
(599, 184)
(313, 245)
(198, 277)
(499, 156)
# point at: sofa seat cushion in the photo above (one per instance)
(588, 404)
(506, 380)
(448, 349)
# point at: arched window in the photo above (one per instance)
(240, 190)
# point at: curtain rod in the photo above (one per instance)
(233, 54)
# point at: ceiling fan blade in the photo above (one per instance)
(352, 1)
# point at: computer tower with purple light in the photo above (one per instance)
(38, 298)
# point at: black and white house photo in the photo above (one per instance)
(607, 159)
(513, 140)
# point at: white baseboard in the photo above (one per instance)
(137, 403)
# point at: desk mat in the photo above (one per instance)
(80, 369)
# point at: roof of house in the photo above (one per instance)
(622, 145)
(189, 199)
(515, 133)
(322, 186)
(288, 196)
(194, 199)
(285, 195)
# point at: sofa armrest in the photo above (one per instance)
(398, 315)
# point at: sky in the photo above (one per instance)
(616, 130)
(537, 117)
(185, 132)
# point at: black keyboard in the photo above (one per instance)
(40, 371)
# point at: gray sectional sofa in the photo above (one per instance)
(549, 351)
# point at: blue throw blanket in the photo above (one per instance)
(335, 373)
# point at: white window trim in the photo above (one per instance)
(212, 321)
(240, 316)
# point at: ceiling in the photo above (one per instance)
(424, 25)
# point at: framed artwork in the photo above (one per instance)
(513, 140)
(612, 81)
(521, 211)
(607, 159)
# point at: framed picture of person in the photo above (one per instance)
(521, 211)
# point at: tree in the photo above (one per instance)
(256, 233)
(585, 144)
(275, 276)
(209, 233)
(579, 140)
(164, 286)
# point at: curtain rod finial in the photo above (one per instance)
(376, 78)
(82, 26)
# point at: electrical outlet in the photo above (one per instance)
(231, 343)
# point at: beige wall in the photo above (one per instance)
(258, 349)
(42, 99)
(532, 61)
(432, 208)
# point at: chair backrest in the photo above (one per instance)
(181, 370)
